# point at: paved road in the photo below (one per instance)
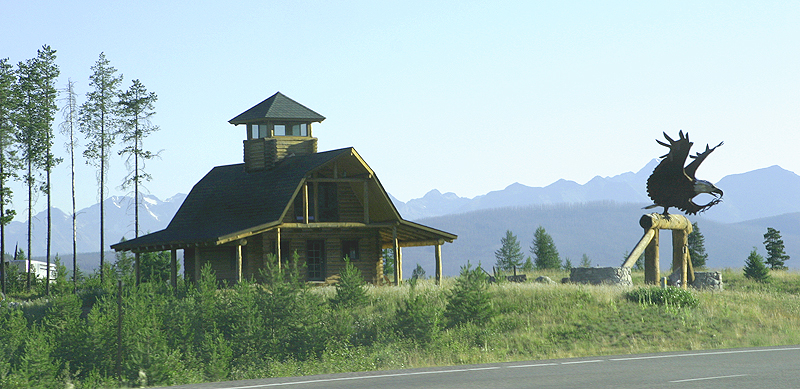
(770, 367)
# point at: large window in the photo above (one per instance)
(315, 260)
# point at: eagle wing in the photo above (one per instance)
(691, 169)
(669, 185)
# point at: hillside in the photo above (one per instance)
(604, 231)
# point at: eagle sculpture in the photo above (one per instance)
(673, 185)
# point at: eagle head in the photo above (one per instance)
(703, 186)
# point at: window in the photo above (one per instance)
(299, 130)
(291, 129)
(258, 131)
(315, 260)
(328, 202)
(350, 250)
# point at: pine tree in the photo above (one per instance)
(136, 109)
(510, 253)
(776, 254)
(544, 250)
(37, 97)
(754, 267)
(585, 261)
(697, 249)
(9, 163)
(99, 121)
(68, 127)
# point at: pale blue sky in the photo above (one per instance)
(464, 97)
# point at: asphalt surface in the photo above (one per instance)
(768, 367)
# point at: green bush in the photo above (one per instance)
(350, 288)
(663, 296)
(469, 301)
(418, 319)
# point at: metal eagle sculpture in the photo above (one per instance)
(673, 185)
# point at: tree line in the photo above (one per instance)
(109, 114)
(545, 254)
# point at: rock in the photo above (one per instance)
(544, 280)
(601, 275)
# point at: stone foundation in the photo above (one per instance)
(601, 275)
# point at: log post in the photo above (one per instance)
(397, 261)
(681, 228)
(238, 263)
(438, 254)
(651, 260)
(173, 267)
(278, 247)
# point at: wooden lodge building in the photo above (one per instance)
(287, 198)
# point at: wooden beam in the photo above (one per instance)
(397, 261)
(438, 254)
(137, 269)
(669, 222)
(679, 250)
(305, 203)
(652, 260)
(639, 249)
(238, 263)
(278, 247)
(197, 258)
(173, 267)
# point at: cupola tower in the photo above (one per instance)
(277, 128)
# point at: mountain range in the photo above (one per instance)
(599, 219)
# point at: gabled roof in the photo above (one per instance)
(278, 106)
(229, 200)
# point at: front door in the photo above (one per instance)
(315, 260)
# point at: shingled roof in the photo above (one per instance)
(229, 201)
(277, 106)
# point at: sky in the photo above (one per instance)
(463, 96)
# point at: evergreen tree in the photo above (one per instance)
(528, 265)
(469, 301)
(754, 267)
(417, 274)
(68, 127)
(544, 250)
(99, 122)
(37, 106)
(585, 261)
(388, 263)
(136, 108)
(697, 249)
(776, 254)
(9, 103)
(510, 253)
(350, 290)
(567, 264)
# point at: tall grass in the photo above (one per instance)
(199, 333)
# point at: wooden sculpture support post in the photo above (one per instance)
(681, 228)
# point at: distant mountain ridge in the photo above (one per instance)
(154, 215)
(759, 193)
(753, 200)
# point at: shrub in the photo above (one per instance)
(663, 296)
(754, 267)
(469, 301)
(418, 319)
(350, 288)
